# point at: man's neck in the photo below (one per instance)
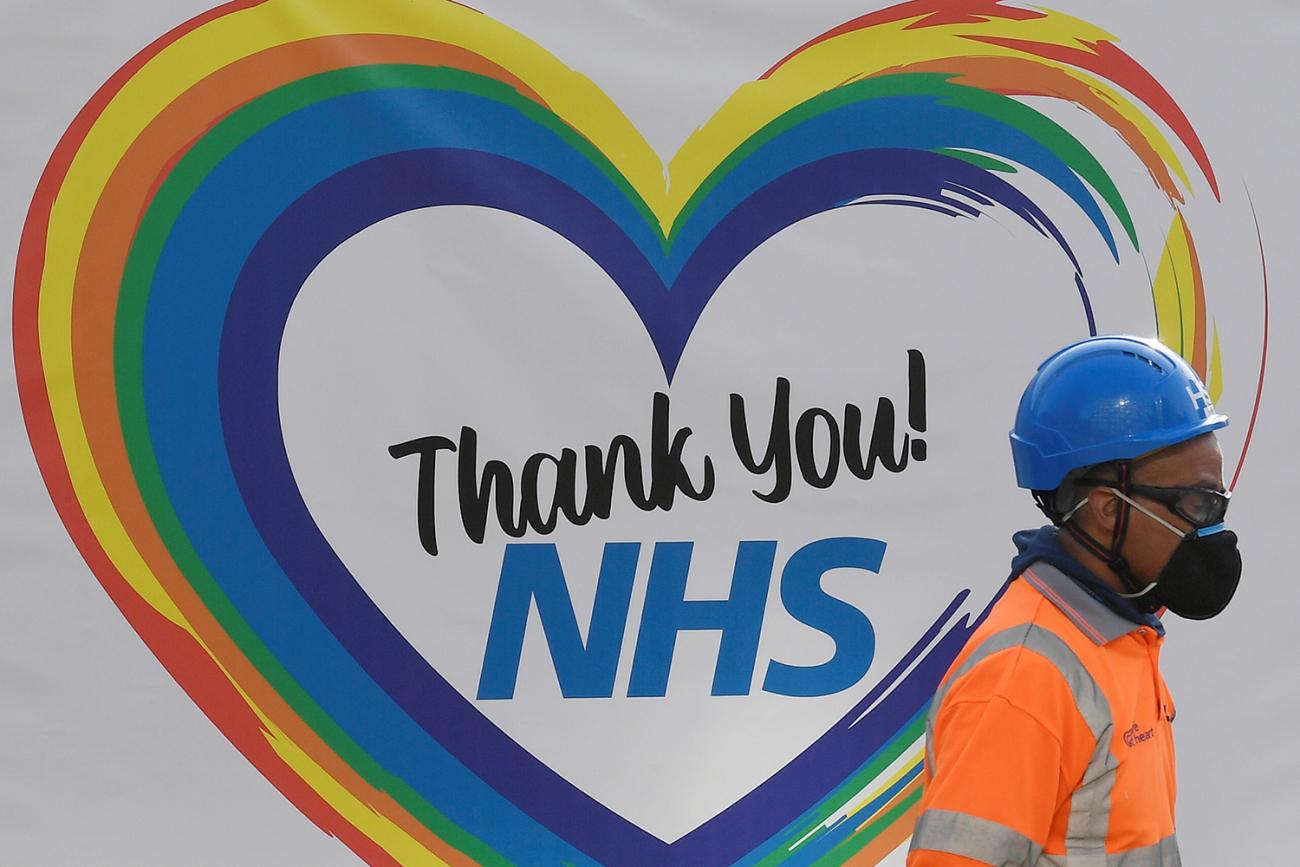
(1094, 564)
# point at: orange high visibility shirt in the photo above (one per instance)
(1049, 740)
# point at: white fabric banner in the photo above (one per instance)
(516, 436)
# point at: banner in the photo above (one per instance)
(519, 466)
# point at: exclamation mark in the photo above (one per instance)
(916, 400)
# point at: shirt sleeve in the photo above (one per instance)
(999, 771)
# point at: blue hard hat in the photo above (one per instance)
(1106, 399)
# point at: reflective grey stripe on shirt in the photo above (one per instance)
(997, 845)
(1085, 834)
(973, 837)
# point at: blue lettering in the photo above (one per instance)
(533, 571)
(667, 612)
(807, 602)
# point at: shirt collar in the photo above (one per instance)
(1095, 608)
(1095, 620)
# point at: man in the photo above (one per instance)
(1049, 740)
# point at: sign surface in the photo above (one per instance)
(507, 492)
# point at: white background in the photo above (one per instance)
(105, 761)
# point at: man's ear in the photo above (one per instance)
(1102, 508)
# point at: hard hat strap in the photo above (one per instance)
(1111, 556)
(1120, 530)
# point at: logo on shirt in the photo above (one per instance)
(1135, 736)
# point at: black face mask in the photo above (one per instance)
(1202, 573)
(1201, 576)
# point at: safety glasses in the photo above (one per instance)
(1203, 507)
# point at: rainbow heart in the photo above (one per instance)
(255, 139)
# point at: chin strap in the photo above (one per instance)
(1111, 556)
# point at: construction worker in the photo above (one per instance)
(1049, 740)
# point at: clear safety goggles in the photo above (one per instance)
(1202, 507)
